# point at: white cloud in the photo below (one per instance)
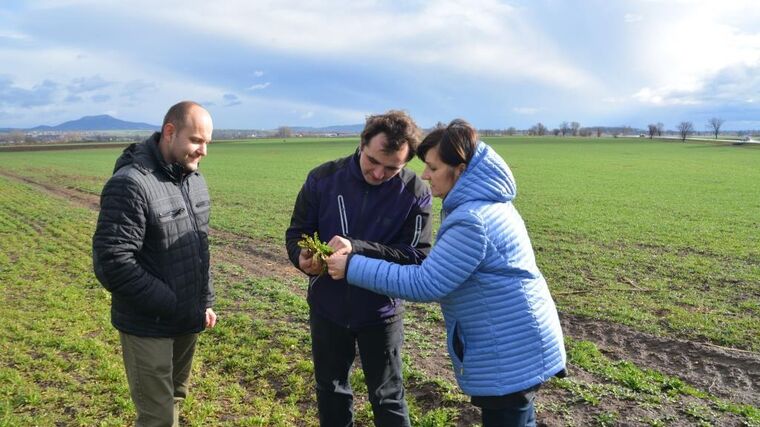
(686, 45)
(258, 86)
(258, 73)
(479, 37)
(13, 35)
(135, 91)
(632, 17)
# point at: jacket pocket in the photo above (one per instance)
(457, 343)
(457, 347)
(202, 211)
(171, 214)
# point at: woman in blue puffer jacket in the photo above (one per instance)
(503, 331)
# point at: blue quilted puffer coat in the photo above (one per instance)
(502, 325)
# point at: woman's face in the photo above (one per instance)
(440, 175)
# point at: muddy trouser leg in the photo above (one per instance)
(380, 351)
(149, 363)
(333, 348)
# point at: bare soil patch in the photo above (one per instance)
(725, 372)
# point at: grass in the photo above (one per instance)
(659, 236)
(60, 361)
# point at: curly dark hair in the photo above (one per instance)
(398, 127)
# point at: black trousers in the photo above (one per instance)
(511, 410)
(333, 348)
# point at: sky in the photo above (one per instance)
(260, 64)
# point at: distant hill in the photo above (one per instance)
(101, 122)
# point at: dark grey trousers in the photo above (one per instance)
(334, 349)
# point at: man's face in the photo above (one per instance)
(189, 144)
(379, 166)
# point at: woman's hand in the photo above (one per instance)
(336, 265)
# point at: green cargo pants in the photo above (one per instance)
(158, 372)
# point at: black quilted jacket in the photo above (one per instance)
(150, 248)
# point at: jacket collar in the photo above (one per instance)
(147, 158)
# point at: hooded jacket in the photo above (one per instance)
(388, 221)
(150, 247)
(502, 325)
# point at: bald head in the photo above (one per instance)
(185, 134)
(179, 113)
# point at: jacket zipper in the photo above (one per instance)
(193, 221)
(361, 230)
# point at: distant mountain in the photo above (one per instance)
(101, 122)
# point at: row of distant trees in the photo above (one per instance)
(687, 128)
(570, 128)
(684, 129)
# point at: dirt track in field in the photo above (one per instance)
(729, 373)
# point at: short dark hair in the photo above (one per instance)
(398, 127)
(456, 142)
(177, 114)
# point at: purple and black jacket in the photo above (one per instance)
(390, 221)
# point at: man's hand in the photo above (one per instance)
(309, 264)
(210, 318)
(336, 265)
(340, 244)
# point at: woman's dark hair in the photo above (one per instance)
(398, 127)
(456, 142)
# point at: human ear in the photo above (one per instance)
(168, 131)
(459, 170)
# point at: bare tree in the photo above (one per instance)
(575, 126)
(598, 132)
(537, 129)
(555, 132)
(652, 128)
(684, 129)
(284, 132)
(660, 128)
(564, 128)
(715, 124)
(511, 130)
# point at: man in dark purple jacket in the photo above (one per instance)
(367, 203)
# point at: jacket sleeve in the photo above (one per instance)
(210, 294)
(455, 256)
(304, 219)
(412, 243)
(116, 244)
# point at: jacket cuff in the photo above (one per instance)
(358, 247)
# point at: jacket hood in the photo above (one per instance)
(487, 178)
(146, 157)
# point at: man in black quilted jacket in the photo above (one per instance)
(151, 251)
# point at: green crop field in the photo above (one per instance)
(661, 237)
